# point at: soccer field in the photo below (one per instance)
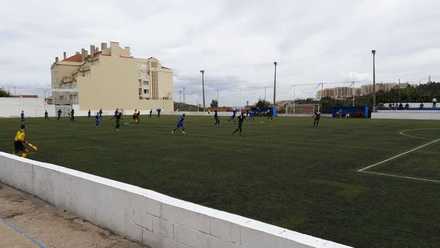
(283, 172)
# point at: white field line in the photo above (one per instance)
(399, 155)
(403, 132)
(399, 176)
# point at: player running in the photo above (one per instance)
(72, 115)
(240, 124)
(97, 119)
(180, 125)
(316, 117)
(234, 113)
(217, 120)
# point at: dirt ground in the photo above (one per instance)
(26, 221)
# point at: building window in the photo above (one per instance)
(145, 82)
(146, 91)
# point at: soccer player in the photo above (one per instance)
(97, 119)
(234, 113)
(89, 114)
(316, 117)
(240, 124)
(46, 115)
(138, 117)
(100, 112)
(217, 120)
(59, 114)
(118, 120)
(134, 115)
(72, 114)
(151, 112)
(20, 142)
(180, 124)
(115, 114)
(158, 112)
(22, 116)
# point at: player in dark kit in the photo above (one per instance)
(316, 117)
(46, 115)
(240, 124)
(217, 120)
(180, 124)
(22, 116)
(118, 120)
(58, 114)
(72, 115)
(234, 113)
(89, 114)
(97, 119)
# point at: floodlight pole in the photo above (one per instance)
(275, 83)
(203, 88)
(374, 79)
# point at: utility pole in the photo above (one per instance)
(183, 93)
(275, 83)
(203, 88)
(374, 79)
(265, 95)
(320, 96)
(353, 93)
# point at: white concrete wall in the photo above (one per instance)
(144, 215)
(407, 114)
(32, 107)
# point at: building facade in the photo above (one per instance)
(364, 90)
(110, 78)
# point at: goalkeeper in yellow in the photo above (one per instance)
(21, 146)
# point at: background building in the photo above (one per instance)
(110, 78)
(364, 90)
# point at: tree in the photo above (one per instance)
(214, 103)
(4, 93)
(262, 104)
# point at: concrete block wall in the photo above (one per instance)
(152, 218)
(32, 107)
(407, 114)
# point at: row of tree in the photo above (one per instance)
(4, 93)
(419, 93)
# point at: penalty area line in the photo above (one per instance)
(398, 155)
(399, 176)
(364, 170)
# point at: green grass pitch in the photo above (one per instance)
(283, 172)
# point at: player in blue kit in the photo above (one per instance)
(180, 124)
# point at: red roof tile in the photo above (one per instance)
(74, 58)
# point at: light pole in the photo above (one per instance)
(275, 83)
(374, 79)
(203, 88)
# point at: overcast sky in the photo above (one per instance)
(235, 42)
